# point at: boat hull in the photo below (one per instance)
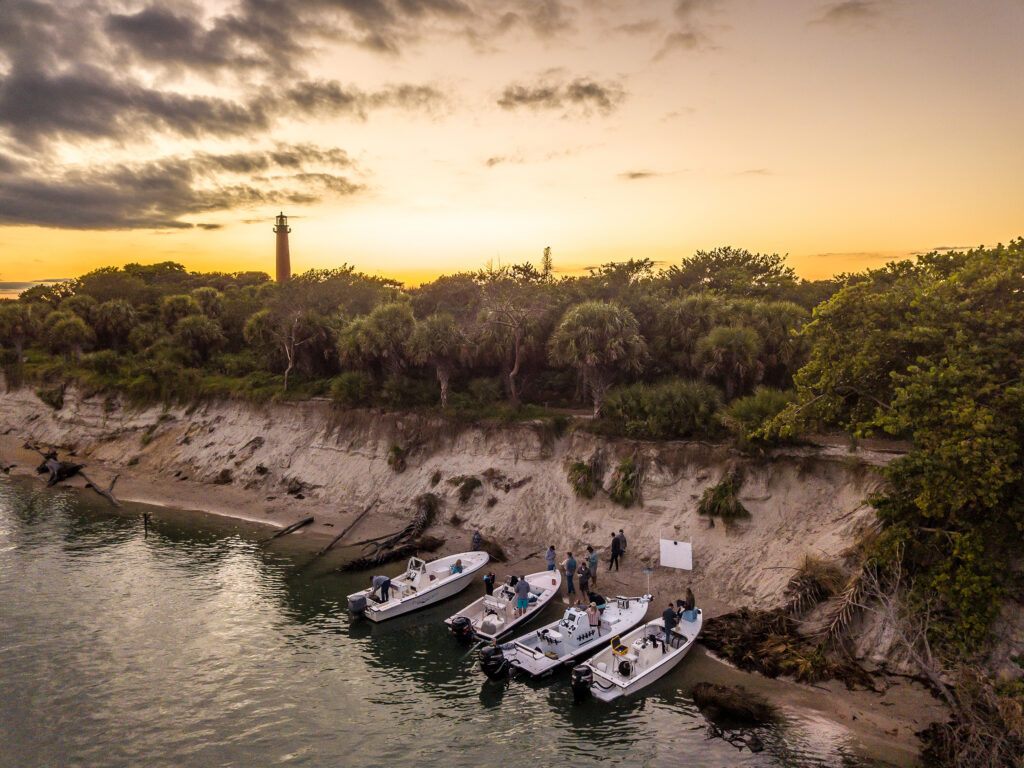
(547, 584)
(444, 588)
(524, 656)
(608, 685)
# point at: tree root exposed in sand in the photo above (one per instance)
(768, 642)
(422, 544)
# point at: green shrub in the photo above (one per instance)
(668, 410)
(722, 500)
(52, 396)
(105, 361)
(407, 392)
(396, 458)
(352, 389)
(486, 390)
(581, 478)
(625, 488)
(237, 364)
(746, 416)
(467, 485)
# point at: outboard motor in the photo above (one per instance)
(462, 628)
(582, 679)
(493, 661)
(357, 605)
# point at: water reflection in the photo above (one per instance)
(197, 646)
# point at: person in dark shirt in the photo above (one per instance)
(622, 544)
(670, 618)
(584, 574)
(382, 584)
(477, 541)
(616, 551)
(489, 583)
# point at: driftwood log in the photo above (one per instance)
(423, 544)
(290, 529)
(330, 545)
(65, 470)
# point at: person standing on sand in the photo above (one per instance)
(616, 551)
(550, 557)
(592, 562)
(477, 541)
(585, 580)
(622, 545)
(569, 566)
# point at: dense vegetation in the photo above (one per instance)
(933, 352)
(512, 340)
(930, 351)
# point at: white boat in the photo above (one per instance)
(421, 585)
(494, 615)
(541, 652)
(635, 660)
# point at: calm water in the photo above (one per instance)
(195, 647)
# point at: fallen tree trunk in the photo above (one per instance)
(108, 494)
(423, 544)
(290, 529)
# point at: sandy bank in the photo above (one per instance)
(240, 461)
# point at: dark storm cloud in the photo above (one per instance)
(162, 193)
(93, 104)
(855, 12)
(581, 92)
(90, 103)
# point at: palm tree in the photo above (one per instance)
(731, 355)
(438, 341)
(600, 340)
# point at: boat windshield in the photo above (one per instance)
(415, 564)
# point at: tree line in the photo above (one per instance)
(718, 325)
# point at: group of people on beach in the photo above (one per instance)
(587, 570)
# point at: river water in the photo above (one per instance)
(194, 646)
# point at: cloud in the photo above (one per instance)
(163, 193)
(691, 33)
(851, 12)
(636, 175)
(638, 27)
(94, 104)
(583, 93)
(755, 172)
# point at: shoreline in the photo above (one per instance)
(881, 724)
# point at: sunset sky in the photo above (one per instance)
(415, 137)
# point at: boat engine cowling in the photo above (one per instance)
(357, 604)
(582, 679)
(493, 662)
(462, 628)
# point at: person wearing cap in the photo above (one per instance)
(594, 615)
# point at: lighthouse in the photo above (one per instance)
(284, 259)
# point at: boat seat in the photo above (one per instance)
(552, 636)
(676, 639)
(494, 605)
